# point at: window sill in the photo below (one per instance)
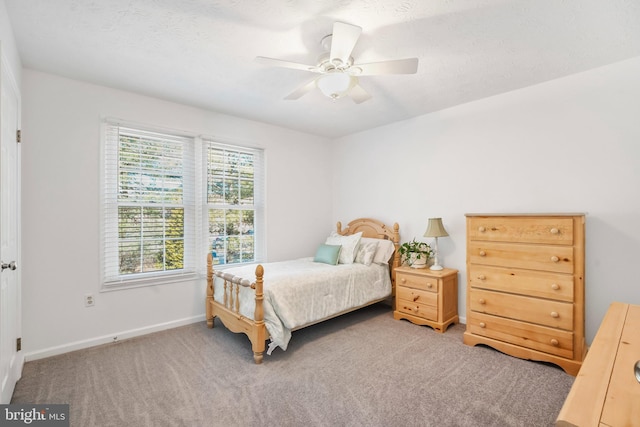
(148, 281)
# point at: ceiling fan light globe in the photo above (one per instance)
(335, 85)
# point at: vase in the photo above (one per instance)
(417, 262)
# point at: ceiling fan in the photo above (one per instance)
(338, 72)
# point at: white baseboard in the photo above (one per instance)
(105, 339)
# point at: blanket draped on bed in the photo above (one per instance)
(301, 292)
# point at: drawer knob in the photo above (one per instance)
(403, 280)
(555, 258)
(482, 277)
(482, 229)
(554, 314)
(555, 286)
(483, 325)
(554, 231)
(554, 342)
(429, 285)
(483, 253)
(415, 310)
(481, 301)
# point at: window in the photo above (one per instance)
(232, 194)
(162, 191)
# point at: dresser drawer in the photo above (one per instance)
(523, 282)
(558, 259)
(555, 314)
(555, 231)
(541, 338)
(417, 282)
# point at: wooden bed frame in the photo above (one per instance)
(228, 310)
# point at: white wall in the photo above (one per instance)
(61, 221)
(569, 145)
(8, 46)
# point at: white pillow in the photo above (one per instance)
(349, 245)
(366, 251)
(384, 251)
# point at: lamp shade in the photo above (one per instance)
(334, 85)
(435, 228)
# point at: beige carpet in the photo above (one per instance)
(362, 369)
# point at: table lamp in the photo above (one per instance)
(435, 229)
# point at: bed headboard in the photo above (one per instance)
(377, 230)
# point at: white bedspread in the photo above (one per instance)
(301, 292)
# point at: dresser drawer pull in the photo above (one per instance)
(482, 229)
(482, 277)
(482, 301)
(555, 258)
(554, 231)
(555, 286)
(483, 325)
(429, 285)
(482, 253)
(403, 280)
(554, 314)
(554, 342)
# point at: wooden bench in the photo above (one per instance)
(605, 391)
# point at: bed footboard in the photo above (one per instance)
(228, 310)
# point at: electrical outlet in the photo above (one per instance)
(89, 300)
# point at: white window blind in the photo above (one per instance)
(149, 205)
(235, 203)
(168, 199)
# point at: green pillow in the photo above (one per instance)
(328, 254)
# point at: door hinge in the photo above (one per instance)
(18, 135)
(18, 344)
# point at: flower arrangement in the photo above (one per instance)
(415, 253)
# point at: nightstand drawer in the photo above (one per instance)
(558, 259)
(555, 231)
(555, 314)
(429, 312)
(417, 282)
(522, 282)
(411, 295)
(548, 340)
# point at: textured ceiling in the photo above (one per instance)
(201, 52)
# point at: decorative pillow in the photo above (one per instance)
(384, 251)
(349, 245)
(366, 251)
(328, 254)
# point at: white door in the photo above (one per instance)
(11, 359)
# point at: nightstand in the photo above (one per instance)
(427, 297)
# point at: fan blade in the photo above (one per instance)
(358, 94)
(343, 40)
(398, 66)
(302, 90)
(286, 64)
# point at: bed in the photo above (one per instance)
(269, 301)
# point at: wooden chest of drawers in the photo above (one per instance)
(525, 286)
(427, 297)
